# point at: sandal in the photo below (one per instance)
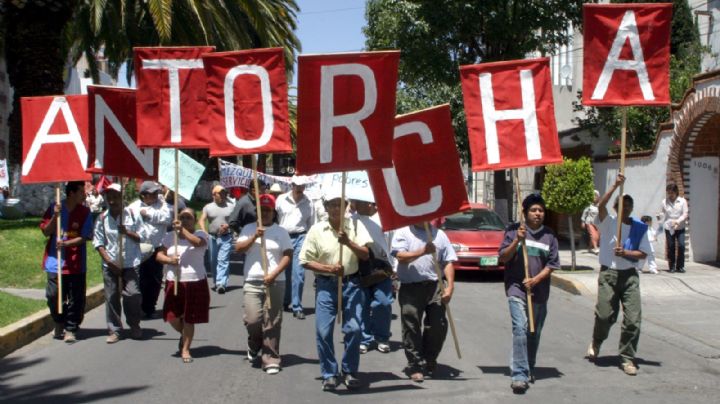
(187, 360)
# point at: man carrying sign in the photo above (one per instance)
(420, 295)
(77, 230)
(321, 254)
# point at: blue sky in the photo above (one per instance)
(331, 25)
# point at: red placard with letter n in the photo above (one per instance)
(426, 180)
(247, 98)
(346, 109)
(626, 54)
(55, 138)
(171, 100)
(113, 147)
(510, 114)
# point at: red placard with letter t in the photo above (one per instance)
(55, 138)
(426, 180)
(626, 54)
(346, 110)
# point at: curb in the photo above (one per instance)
(28, 329)
(569, 285)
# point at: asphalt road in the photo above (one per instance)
(147, 371)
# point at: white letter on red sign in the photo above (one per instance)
(268, 121)
(328, 119)
(42, 137)
(393, 183)
(173, 66)
(103, 113)
(527, 113)
(627, 31)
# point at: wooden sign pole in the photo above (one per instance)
(58, 238)
(342, 228)
(523, 246)
(263, 248)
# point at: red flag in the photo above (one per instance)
(55, 138)
(423, 184)
(171, 100)
(247, 98)
(346, 108)
(113, 135)
(510, 114)
(627, 54)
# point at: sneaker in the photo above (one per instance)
(430, 367)
(629, 368)
(136, 332)
(112, 338)
(59, 331)
(532, 377)
(329, 384)
(592, 352)
(417, 377)
(252, 356)
(680, 270)
(363, 348)
(519, 386)
(221, 290)
(351, 381)
(272, 370)
(383, 347)
(299, 315)
(70, 337)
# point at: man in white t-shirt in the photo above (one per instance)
(618, 281)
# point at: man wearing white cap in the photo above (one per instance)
(321, 254)
(296, 215)
(217, 213)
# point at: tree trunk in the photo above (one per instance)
(35, 56)
(572, 243)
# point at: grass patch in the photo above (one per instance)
(23, 245)
(15, 308)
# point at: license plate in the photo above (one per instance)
(488, 261)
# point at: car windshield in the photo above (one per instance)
(474, 219)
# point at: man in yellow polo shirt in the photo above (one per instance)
(321, 254)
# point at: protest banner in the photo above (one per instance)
(171, 100)
(346, 106)
(233, 175)
(190, 172)
(509, 107)
(113, 128)
(626, 58)
(4, 176)
(248, 102)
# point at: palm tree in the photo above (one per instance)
(36, 29)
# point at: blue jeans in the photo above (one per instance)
(295, 276)
(525, 344)
(377, 312)
(325, 312)
(220, 249)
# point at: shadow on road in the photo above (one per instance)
(368, 379)
(289, 360)
(540, 372)
(479, 276)
(46, 391)
(615, 361)
(206, 351)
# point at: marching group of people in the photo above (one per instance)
(338, 245)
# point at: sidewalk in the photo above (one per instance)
(682, 306)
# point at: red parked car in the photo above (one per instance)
(476, 235)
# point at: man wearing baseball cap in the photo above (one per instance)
(218, 212)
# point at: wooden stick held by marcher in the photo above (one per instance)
(439, 273)
(523, 246)
(120, 258)
(263, 248)
(175, 211)
(623, 140)
(342, 228)
(58, 238)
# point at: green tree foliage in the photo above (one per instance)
(643, 122)
(437, 36)
(568, 187)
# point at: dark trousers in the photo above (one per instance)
(73, 297)
(676, 249)
(151, 273)
(616, 288)
(423, 338)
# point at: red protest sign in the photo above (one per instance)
(113, 136)
(423, 184)
(171, 102)
(510, 114)
(55, 138)
(627, 54)
(247, 98)
(346, 108)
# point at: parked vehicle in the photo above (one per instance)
(475, 235)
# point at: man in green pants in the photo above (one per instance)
(618, 281)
